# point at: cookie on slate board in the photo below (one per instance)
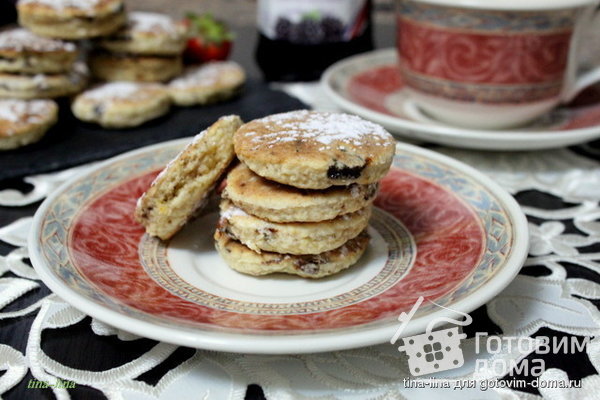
(129, 67)
(25, 121)
(208, 83)
(24, 52)
(71, 19)
(147, 33)
(247, 261)
(315, 150)
(19, 86)
(122, 104)
(182, 188)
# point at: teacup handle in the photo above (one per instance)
(584, 80)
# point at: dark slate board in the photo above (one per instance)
(72, 142)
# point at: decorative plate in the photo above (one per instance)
(440, 230)
(370, 85)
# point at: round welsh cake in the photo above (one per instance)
(23, 122)
(283, 203)
(247, 261)
(147, 33)
(315, 150)
(20, 86)
(122, 104)
(109, 66)
(71, 19)
(208, 83)
(291, 237)
(22, 51)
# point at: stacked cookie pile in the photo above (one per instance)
(134, 51)
(300, 200)
(123, 104)
(34, 68)
(71, 19)
(135, 59)
(148, 48)
(145, 51)
(37, 62)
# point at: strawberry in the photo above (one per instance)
(209, 40)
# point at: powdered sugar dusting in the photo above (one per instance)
(324, 128)
(40, 80)
(79, 73)
(219, 72)
(20, 39)
(151, 22)
(25, 111)
(233, 211)
(117, 90)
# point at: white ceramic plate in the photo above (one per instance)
(370, 85)
(440, 229)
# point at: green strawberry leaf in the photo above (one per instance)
(208, 28)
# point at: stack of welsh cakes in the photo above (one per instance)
(33, 70)
(148, 48)
(34, 67)
(300, 200)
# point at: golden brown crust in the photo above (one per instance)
(147, 33)
(127, 67)
(81, 24)
(207, 83)
(67, 9)
(24, 122)
(20, 86)
(292, 237)
(283, 203)
(315, 150)
(242, 259)
(22, 51)
(16, 41)
(122, 104)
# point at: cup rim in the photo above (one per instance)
(512, 5)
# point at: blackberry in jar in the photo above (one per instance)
(308, 31)
(333, 29)
(283, 29)
(299, 39)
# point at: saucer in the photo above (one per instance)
(370, 85)
(440, 230)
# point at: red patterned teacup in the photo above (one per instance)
(492, 64)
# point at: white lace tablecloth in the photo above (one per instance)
(558, 289)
